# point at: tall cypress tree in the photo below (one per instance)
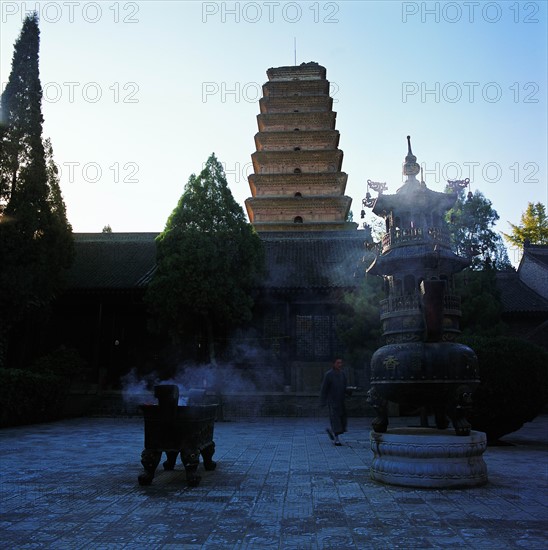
(35, 236)
(209, 259)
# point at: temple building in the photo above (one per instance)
(315, 257)
(524, 296)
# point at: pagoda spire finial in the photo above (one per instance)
(410, 167)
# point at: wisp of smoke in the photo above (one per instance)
(250, 372)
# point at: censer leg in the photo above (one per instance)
(463, 404)
(150, 460)
(169, 464)
(441, 417)
(191, 459)
(380, 405)
(207, 455)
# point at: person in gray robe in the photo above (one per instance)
(333, 393)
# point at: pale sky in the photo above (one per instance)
(137, 95)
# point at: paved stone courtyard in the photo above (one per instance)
(279, 483)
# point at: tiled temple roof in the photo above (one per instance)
(314, 260)
(112, 261)
(517, 297)
(294, 261)
(123, 261)
(538, 254)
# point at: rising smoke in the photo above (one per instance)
(252, 372)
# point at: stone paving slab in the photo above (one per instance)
(280, 483)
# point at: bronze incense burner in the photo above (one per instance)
(185, 430)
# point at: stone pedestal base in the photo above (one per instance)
(429, 458)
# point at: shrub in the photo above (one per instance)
(39, 393)
(63, 362)
(29, 397)
(514, 384)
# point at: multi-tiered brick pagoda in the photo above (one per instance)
(297, 184)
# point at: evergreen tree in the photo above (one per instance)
(359, 325)
(533, 227)
(481, 306)
(35, 236)
(208, 260)
(471, 222)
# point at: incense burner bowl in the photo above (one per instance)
(440, 376)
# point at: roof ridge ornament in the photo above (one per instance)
(455, 185)
(369, 201)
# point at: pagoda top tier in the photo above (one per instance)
(304, 71)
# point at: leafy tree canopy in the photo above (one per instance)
(481, 306)
(471, 222)
(533, 227)
(209, 258)
(359, 326)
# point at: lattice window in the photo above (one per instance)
(304, 332)
(338, 349)
(322, 336)
(316, 337)
(272, 332)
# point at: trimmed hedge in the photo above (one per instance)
(39, 393)
(514, 384)
(30, 397)
(63, 362)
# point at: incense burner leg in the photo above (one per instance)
(191, 459)
(207, 456)
(380, 422)
(169, 464)
(461, 425)
(441, 417)
(150, 460)
(463, 403)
